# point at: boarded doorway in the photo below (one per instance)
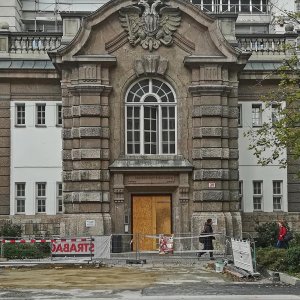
(151, 215)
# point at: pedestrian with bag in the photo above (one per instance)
(207, 241)
(281, 242)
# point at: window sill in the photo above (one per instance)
(40, 126)
(20, 125)
(58, 125)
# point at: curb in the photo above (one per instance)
(285, 278)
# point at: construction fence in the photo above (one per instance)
(121, 246)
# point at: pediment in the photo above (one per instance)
(104, 33)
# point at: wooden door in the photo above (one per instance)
(151, 215)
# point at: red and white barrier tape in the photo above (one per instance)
(23, 241)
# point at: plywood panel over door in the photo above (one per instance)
(151, 215)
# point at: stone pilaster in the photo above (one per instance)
(215, 134)
(86, 137)
(4, 149)
(118, 206)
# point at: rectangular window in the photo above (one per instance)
(207, 5)
(240, 120)
(256, 115)
(257, 195)
(275, 112)
(20, 114)
(150, 130)
(277, 195)
(133, 130)
(41, 114)
(241, 193)
(234, 6)
(168, 130)
(59, 197)
(59, 115)
(41, 197)
(20, 197)
(245, 6)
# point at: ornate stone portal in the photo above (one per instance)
(201, 176)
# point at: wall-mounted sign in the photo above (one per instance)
(212, 185)
(90, 223)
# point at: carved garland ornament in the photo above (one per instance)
(150, 23)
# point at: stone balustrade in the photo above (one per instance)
(266, 44)
(40, 43)
(33, 43)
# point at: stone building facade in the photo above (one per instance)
(149, 93)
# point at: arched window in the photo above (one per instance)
(150, 118)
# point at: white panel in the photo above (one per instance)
(242, 255)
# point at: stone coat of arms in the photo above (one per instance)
(150, 23)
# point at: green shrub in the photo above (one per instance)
(28, 250)
(295, 241)
(272, 258)
(11, 230)
(293, 259)
(266, 234)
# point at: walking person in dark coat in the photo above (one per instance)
(207, 242)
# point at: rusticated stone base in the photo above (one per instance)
(61, 225)
(251, 220)
(229, 224)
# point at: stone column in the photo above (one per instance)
(215, 153)
(86, 145)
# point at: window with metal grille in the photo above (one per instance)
(20, 197)
(257, 195)
(150, 118)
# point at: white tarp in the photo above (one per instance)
(242, 255)
(102, 246)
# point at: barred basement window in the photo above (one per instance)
(20, 197)
(41, 197)
(150, 118)
(257, 195)
(40, 114)
(20, 114)
(277, 195)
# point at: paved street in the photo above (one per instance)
(148, 282)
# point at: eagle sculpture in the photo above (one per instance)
(150, 23)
